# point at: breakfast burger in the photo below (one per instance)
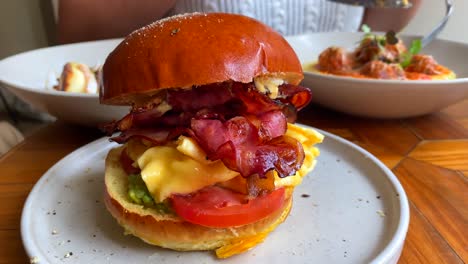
(209, 154)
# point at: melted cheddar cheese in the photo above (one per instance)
(180, 169)
(183, 168)
(268, 85)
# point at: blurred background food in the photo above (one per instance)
(379, 56)
(34, 23)
(27, 25)
(382, 98)
(78, 78)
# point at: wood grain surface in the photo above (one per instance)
(429, 155)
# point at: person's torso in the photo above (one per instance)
(288, 17)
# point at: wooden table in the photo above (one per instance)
(429, 155)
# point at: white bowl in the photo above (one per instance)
(27, 75)
(383, 98)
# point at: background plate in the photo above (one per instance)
(29, 75)
(350, 209)
(382, 98)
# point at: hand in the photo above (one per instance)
(386, 19)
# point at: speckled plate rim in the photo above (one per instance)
(394, 247)
(391, 251)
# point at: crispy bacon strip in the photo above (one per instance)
(283, 154)
(296, 95)
(201, 97)
(271, 124)
(251, 149)
(232, 122)
(220, 101)
(157, 137)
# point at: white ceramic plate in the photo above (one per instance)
(28, 75)
(342, 221)
(383, 98)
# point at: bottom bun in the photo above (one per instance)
(170, 231)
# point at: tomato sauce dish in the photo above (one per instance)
(372, 79)
(384, 57)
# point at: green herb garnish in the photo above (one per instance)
(414, 49)
(366, 29)
(139, 194)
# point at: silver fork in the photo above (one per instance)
(405, 4)
(433, 34)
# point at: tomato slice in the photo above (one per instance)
(214, 206)
(127, 162)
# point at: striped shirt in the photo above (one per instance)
(288, 17)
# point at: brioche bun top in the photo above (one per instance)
(192, 50)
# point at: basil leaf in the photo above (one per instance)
(414, 49)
